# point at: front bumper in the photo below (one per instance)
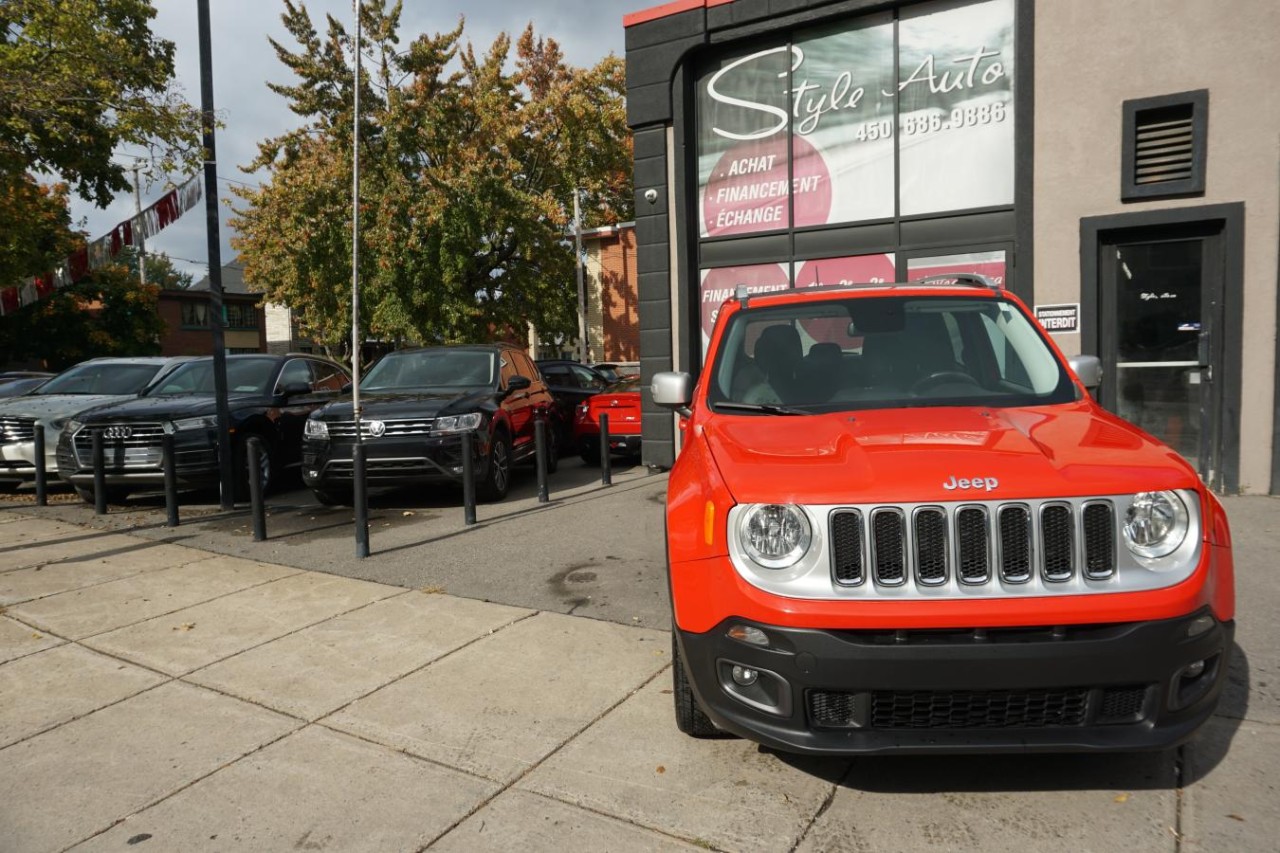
(1118, 687)
(391, 460)
(195, 463)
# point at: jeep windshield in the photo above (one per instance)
(872, 352)
(101, 378)
(244, 376)
(432, 369)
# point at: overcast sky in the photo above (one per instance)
(243, 62)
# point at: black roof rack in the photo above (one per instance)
(970, 279)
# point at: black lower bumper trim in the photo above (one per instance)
(1126, 687)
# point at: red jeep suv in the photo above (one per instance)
(900, 523)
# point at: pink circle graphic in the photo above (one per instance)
(748, 190)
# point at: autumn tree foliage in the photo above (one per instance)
(469, 161)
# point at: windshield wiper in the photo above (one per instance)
(765, 408)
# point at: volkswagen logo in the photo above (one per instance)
(377, 429)
(117, 432)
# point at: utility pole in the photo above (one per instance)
(226, 470)
(584, 351)
(139, 241)
(360, 494)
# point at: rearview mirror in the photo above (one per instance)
(295, 389)
(1088, 368)
(672, 391)
(518, 383)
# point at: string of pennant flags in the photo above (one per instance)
(100, 251)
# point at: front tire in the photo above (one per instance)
(242, 467)
(690, 718)
(497, 474)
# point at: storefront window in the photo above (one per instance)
(990, 264)
(858, 269)
(720, 284)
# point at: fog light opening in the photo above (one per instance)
(1199, 625)
(1193, 671)
(745, 677)
(748, 634)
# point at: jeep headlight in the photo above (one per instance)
(203, 422)
(314, 428)
(1155, 524)
(458, 423)
(776, 536)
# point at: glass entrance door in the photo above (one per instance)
(1160, 299)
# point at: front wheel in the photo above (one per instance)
(266, 466)
(690, 718)
(497, 475)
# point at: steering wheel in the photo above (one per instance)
(942, 377)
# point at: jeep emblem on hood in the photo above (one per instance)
(986, 484)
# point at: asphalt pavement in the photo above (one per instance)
(503, 686)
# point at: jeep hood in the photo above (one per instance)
(907, 455)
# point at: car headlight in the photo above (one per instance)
(203, 422)
(1155, 524)
(458, 423)
(314, 428)
(72, 426)
(776, 536)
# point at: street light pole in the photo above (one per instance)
(226, 472)
(140, 244)
(584, 350)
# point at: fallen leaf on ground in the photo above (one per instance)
(433, 590)
(1236, 817)
(1122, 798)
(661, 769)
(185, 626)
(408, 512)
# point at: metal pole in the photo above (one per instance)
(468, 479)
(540, 454)
(170, 481)
(42, 483)
(256, 506)
(361, 495)
(584, 351)
(226, 468)
(99, 475)
(137, 234)
(606, 459)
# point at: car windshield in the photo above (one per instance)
(432, 368)
(244, 376)
(101, 378)
(884, 352)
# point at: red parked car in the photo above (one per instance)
(621, 402)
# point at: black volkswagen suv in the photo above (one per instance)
(416, 404)
(270, 396)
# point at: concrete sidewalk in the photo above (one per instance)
(158, 696)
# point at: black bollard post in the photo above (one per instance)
(468, 478)
(99, 475)
(256, 505)
(361, 497)
(170, 480)
(540, 451)
(606, 460)
(42, 483)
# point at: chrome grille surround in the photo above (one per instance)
(1089, 557)
(394, 427)
(16, 430)
(142, 448)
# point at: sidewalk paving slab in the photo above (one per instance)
(39, 545)
(518, 820)
(996, 803)
(729, 794)
(42, 581)
(504, 703)
(1232, 798)
(42, 690)
(67, 784)
(319, 669)
(197, 636)
(84, 612)
(18, 640)
(28, 530)
(313, 790)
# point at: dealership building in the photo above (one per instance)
(1116, 165)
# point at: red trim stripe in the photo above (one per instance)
(656, 12)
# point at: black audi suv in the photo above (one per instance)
(416, 403)
(270, 396)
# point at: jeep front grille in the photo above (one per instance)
(974, 545)
(16, 430)
(123, 445)
(402, 426)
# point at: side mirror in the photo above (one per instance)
(673, 391)
(295, 389)
(1088, 368)
(518, 383)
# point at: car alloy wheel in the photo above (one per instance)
(498, 472)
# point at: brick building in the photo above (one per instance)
(613, 318)
(186, 314)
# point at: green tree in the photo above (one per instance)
(159, 267)
(108, 313)
(78, 78)
(469, 162)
